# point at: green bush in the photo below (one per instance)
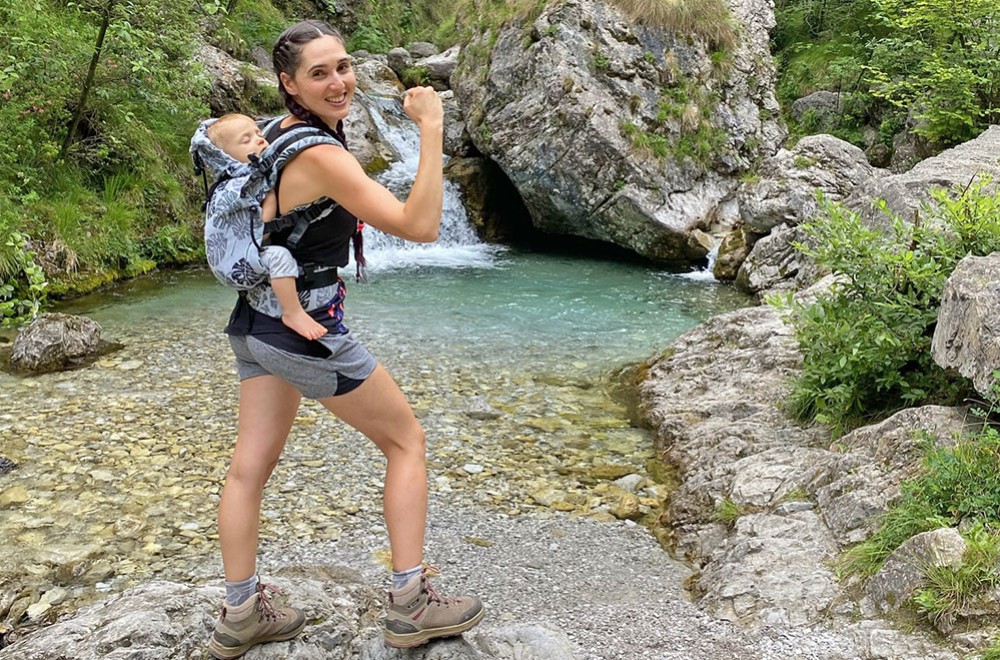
(866, 343)
(22, 282)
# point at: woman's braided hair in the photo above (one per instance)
(286, 58)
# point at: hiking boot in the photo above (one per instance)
(254, 622)
(418, 614)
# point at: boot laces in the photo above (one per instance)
(267, 610)
(432, 594)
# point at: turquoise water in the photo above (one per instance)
(552, 312)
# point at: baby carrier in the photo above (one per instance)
(234, 228)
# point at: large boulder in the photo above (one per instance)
(775, 264)
(967, 334)
(821, 109)
(56, 341)
(618, 131)
(439, 68)
(791, 180)
(905, 193)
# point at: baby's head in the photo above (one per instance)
(238, 136)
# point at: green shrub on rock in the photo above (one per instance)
(866, 343)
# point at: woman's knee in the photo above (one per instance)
(250, 472)
(409, 442)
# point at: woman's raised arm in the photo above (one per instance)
(333, 172)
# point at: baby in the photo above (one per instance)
(239, 136)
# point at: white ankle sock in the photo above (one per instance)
(238, 593)
(401, 578)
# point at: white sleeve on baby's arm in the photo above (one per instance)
(278, 261)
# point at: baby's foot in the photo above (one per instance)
(303, 324)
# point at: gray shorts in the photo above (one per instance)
(348, 366)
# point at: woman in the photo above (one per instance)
(277, 367)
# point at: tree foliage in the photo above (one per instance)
(935, 63)
(93, 154)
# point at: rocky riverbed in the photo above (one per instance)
(536, 476)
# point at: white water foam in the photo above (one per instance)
(457, 245)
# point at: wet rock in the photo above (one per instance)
(733, 252)
(627, 507)
(13, 496)
(967, 334)
(56, 341)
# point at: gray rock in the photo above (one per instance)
(439, 67)
(166, 619)
(967, 334)
(237, 86)
(55, 341)
(421, 49)
(377, 79)
(905, 570)
(775, 264)
(905, 193)
(821, 107)
(541, 106)
(875, 460)
(766, 478)
(791, 180)
(457, 141)
(366, 141)
(746, 585)
(399, 60)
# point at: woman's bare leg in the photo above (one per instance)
(268, 405)
(378, 409)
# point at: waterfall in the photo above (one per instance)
(457, 245)
(706, 274)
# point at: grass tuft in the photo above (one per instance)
(708, 19)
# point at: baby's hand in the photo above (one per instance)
(268, 207)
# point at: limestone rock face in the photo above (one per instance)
(791, 179)
(904, 193)
(904, 571)
(555, 102)
(857, 489)
(166, 619)
(55, 341)
(793, 503)
(967, 335)
(237, 86)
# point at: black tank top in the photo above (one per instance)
(327, 240)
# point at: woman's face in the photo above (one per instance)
(324, 82)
